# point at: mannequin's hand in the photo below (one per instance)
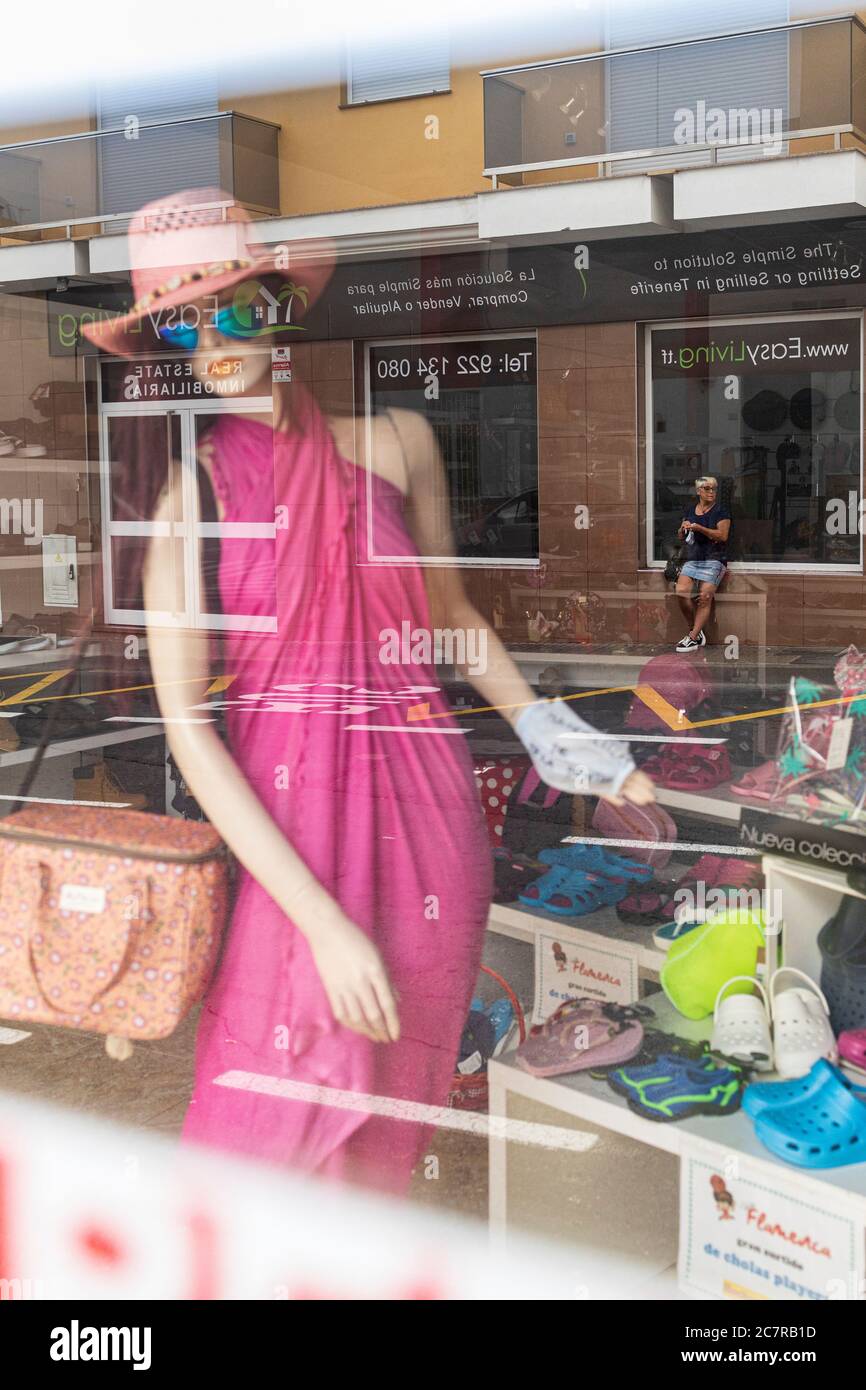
(637, 788)
(569, 754)
(355, 980)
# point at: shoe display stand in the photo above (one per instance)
(805, 896)
(723, 1142)
(802, 896)
(520, 923)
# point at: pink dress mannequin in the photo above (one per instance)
(389, 822)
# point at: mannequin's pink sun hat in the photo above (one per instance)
(197, 243)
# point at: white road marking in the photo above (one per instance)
(152, 719)
(398, 729)
(493, 1126)
(58, 801)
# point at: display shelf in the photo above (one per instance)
(521, 923)
(802, 897)
(52, 656)
(719, 803)
(596, 1104)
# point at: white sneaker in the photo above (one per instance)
(691, 644)
(801, 1025)
(741, 1026)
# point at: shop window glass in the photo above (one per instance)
(773, 409)
(480, 398)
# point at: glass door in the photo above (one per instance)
(140, 454)
(234, 586)
(222, 569)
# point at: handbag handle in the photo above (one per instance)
(43, 870)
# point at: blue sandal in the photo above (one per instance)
(573, 893)
(596, 859)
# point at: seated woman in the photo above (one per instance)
(706, 527)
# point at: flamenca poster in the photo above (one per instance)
(746, 1233)
(570, 964)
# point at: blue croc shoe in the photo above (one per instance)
(769, 1095)
(826, 1128)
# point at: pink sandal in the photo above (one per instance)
(760, 784)
(582, 1033)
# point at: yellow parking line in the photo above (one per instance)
(221, 683)
(674, 718)
(34, 689)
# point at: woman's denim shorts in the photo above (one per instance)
(705, 571)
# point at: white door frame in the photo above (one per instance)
(190, 528)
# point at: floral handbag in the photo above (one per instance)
(110, 919)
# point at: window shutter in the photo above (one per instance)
(163, 161)
(646, 89)
(412, 69)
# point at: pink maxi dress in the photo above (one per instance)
(389, 821)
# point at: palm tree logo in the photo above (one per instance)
(259, 312)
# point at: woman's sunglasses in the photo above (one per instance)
(225, 320)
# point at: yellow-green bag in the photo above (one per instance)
(706, 958)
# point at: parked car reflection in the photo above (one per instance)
(508, 532)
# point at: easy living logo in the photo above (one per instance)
(255, 311)
(826, 344)
(736, 352)
(77, 1343)
(260, 312)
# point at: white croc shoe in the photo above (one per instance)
(741, 1026)
(801, 1025)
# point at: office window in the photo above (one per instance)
(480, 397)
(772, 408)
(414, 68)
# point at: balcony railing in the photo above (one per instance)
(768, 92)
(72, 184)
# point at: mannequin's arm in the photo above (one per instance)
(348, 962)
(428, 517)
(584, 758)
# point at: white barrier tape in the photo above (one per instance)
(725, 850)
(643, 738)
(491, 1126)
(92, 1210)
